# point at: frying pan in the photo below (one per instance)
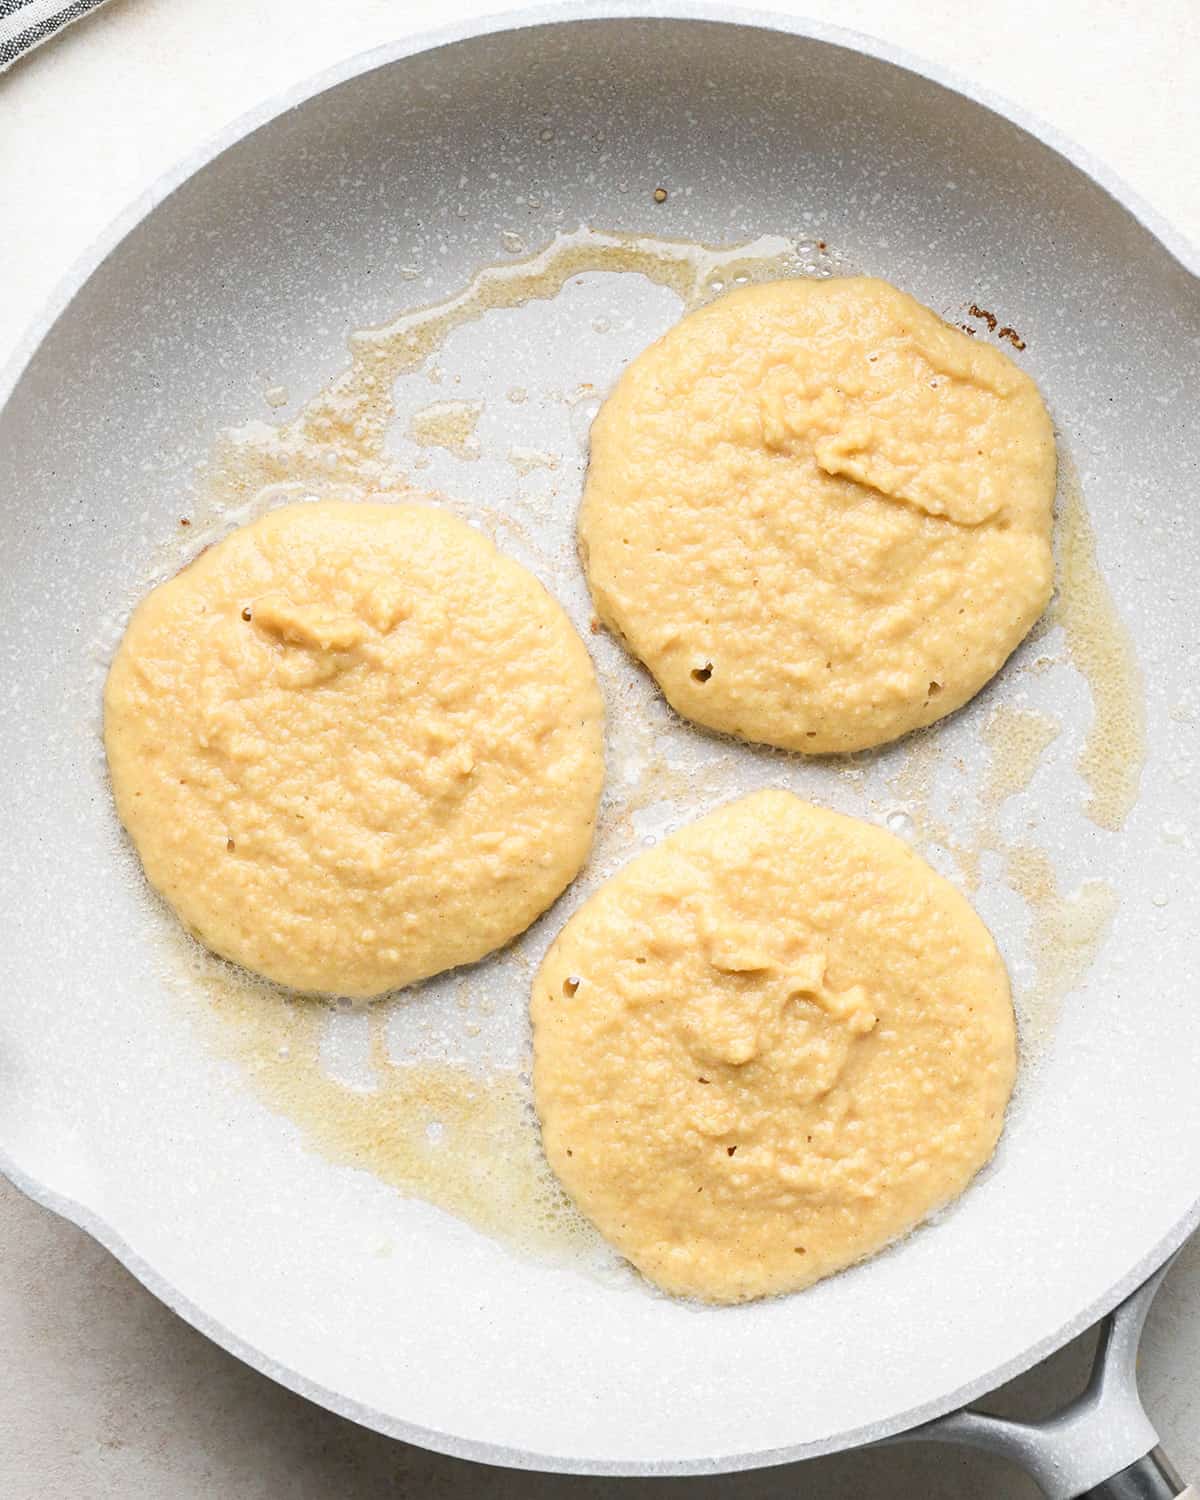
(391, 182)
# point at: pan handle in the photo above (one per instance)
(1152, 1477)
(1100, 1447)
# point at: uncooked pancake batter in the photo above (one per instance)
(354, 745)
(819, 514)
(768, 1047)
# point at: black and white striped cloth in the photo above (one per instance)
(26, 24)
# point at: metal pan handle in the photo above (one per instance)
(1101, 1447)
(1151, 1477)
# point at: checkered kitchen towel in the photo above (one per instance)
(26, 24)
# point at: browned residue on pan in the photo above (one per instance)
(1002, 331)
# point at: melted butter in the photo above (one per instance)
(450, 425)
(1065, 933)
(464, 1137)
(912, 786)
(1017, 739)
(1101, 648)
(336, 445)
(526, 460)
(465, 1140)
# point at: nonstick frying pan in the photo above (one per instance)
(227, 296)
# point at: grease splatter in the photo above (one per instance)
(336, 445)
(1065, 934)
(461, 1138)
(449, 425)
(1099, 646)
(1017, 738)
(526, 460)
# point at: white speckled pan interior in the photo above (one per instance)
(246, 279)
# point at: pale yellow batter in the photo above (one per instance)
(354, 745)
(820, 515)
(768, 1047)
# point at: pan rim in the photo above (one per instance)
(561, 13)
(478, 1451)
(565, 12)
